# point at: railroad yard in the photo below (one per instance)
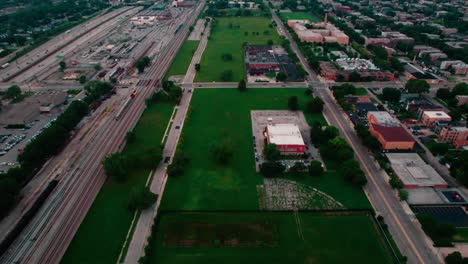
(78, 171)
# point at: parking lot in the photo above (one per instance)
(14, 140)
(260, 120)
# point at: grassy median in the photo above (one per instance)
(183, 58)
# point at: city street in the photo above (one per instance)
(406, 231)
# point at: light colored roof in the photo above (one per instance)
(436, 114)
(383, 118)
(285, 134)
(412, 170)
(460, 129)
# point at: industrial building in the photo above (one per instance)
(264, 59)
(287, 137)
(413, 172)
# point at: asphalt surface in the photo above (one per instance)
(405, 230)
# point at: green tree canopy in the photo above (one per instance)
(293, 103)
(417, 86)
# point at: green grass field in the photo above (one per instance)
(461, 236)
(183, 58)
(300, 16)
(218, 113)
(224, 39)
(268, 237)
(102, 233)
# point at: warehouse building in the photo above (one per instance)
(287, 138)
(413, 172)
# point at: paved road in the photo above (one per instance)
(147, 216)
(406, 231)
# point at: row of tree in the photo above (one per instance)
(47, 144)
(336, 149)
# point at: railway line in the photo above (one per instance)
(11, 73)
(50, 232)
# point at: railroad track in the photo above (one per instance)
(48, 235)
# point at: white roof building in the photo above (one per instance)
(284, 134)
(382, 118)
(413, 172)
(436, 114)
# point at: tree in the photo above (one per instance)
(315, 105)
(454, 258)
(355, 77)
(444, 93)
(141, 198)
(315, 168)
(403, 194)
(176, 168)
(460, 89)
(13, 92)
(293, 104)
(142, 64)
(222, 150)
(330, 132)
(226, 57)
(130, 137)
(281, 77)
(62, 66)
(270, 42)
(197, 66)
(242, 85)
(271, 169)
(271, 152)
(417, 86)
(82, 79)
(115, 165)
(226, 75)
(97, 67)
(353, 173)
(391, 94)
(298, 169)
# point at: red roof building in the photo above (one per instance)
(392, 137)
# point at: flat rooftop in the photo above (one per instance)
(383, 118)
(436, 114)
(285, 134)
(412, 170)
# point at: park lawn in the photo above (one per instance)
(361, 91)
(102, 233)
(224, 39)
(300, 16)
(287, 237)
(218, 113)
(461, 236)
(183, 58)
